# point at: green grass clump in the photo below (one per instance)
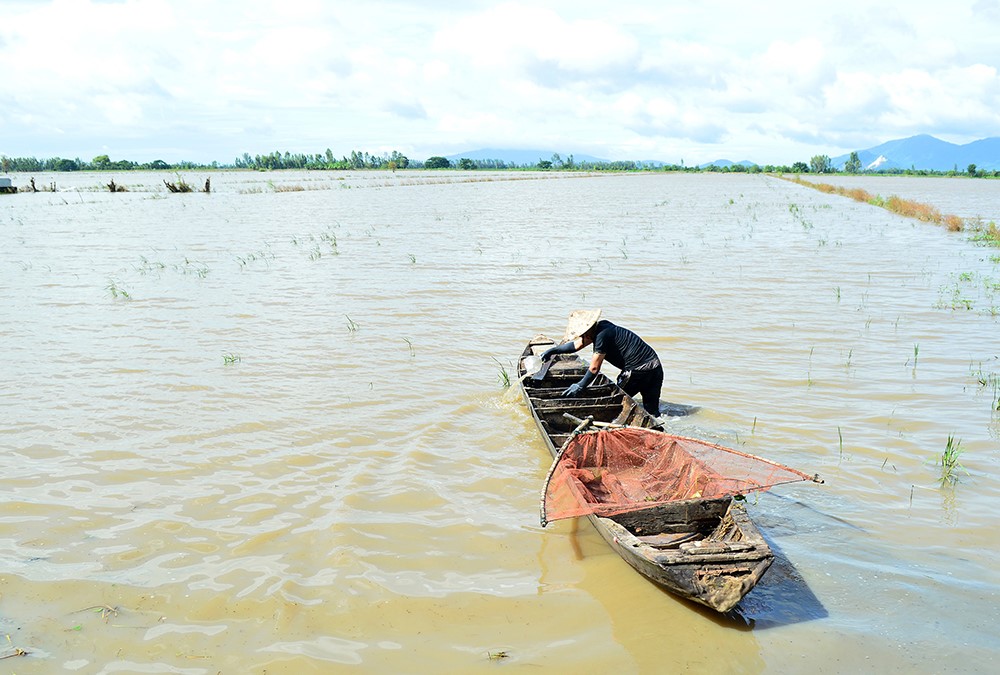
(117, 291)
(950, 463)
(502, 375)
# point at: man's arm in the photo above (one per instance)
(564, 348)
(588, 377)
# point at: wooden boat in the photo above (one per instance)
(705, 550)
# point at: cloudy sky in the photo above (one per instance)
(772, 82)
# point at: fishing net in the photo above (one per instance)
(620, 470)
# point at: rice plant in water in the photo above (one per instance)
(331, 239)
(230, 359)
(352, 326)
(117, 291)
(949, 460)
(987, 380)
(502, 375)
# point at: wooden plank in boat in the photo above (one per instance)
(668, 539)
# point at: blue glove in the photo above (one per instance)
(564, 348)
(577, 387)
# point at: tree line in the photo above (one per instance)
(99, 163)
(359, 160)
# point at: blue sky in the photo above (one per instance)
(774, 82)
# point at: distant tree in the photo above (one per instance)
(544, 164)
(59, 164)
(972, 170)
(101, 162)
(159, 165)
(820, 164)
(437, 163)
(800, 167)
(853, 164)
(401, 160)
(466, 164)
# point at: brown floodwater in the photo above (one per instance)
(263, 429)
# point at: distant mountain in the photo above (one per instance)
(519, 157)
(927, 152)
(918, 152)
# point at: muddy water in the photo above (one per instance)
(262, 430)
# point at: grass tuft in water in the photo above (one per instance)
(352, 326)
(502, 375)
(988, 380)
(117, 291)
(950, 463)
(230, 359)
(179, 186)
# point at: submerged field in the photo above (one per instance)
(263, 429)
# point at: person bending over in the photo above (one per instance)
(641, 371)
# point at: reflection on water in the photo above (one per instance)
(261, 429)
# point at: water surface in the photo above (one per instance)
(262, 429)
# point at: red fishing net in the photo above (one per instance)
(620, 470)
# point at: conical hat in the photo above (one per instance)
(580, 322)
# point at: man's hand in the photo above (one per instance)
(573, 389)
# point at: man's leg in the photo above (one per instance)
(650, 386)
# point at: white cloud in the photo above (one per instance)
(211, 80)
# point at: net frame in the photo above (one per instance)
(606, 472)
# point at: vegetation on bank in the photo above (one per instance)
(987, 233)
(327, 161)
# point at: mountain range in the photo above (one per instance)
(916, 152)
(927, 152)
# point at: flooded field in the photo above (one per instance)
(263, 429)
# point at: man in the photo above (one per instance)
(640, 367)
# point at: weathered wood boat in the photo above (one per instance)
(704, 549)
